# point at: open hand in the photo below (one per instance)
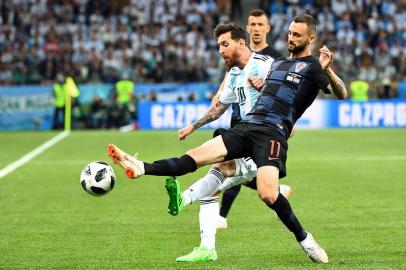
(256, 82)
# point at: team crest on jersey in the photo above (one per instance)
(299, 66)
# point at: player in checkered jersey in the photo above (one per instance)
(246, 70)
(291, 87)
(245, 169)
(258, 27)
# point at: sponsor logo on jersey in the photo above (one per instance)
(292, 77)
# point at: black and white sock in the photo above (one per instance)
(203, 187)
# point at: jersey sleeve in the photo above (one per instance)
(228, 96)
(320, 78)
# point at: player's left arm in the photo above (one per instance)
(214, 112)
(336, 85)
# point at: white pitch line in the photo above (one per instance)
(26, 158)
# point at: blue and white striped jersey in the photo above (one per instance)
(237, 88)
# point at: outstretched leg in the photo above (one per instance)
(210, 152)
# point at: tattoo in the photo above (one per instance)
(214, 112)
(336, 85)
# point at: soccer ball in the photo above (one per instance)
(97, 178)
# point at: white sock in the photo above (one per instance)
(285, 190)
(203, 187)
(209, 211)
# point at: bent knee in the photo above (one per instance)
(192, 152)
(201, 156)
(268, 197)
(227, 168)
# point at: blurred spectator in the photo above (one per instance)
(114, 113)
(95, 41)
(359, 90)
(236, 9)
(367, 37)
(192, 96)
(78, 116)
(59, 102)
(152, 96)
(97, 113)
(385, 90)
(125, 94)
(124, 89)
(172, 40)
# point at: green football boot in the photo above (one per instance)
(176, 201)
(200, 254)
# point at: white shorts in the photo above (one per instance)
(245, 170)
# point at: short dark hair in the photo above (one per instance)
(257, 13)
(309, 20)
(237, 32)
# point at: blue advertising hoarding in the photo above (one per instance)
(26, 107)
(321, 114)
(31, 107)
(175, 115)
(372, 114)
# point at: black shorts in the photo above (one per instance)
(265, 144)
(219, 131)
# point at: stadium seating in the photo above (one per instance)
(172, 41)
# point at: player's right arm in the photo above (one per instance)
(214, 112)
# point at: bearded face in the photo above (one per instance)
(229, 49)
(231, 59)
(298, 47)
(299, 38)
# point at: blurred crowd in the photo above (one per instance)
(367, 36)
(103, 41)
(172, 40)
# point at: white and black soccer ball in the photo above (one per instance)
(97, 178)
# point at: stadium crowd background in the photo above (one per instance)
(172, 40)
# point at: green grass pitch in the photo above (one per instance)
(349, 191)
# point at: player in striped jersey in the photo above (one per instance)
(291, 87)
(237, 90)
(258, 27)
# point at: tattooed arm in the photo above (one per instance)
(336, 85)
(214, 112)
